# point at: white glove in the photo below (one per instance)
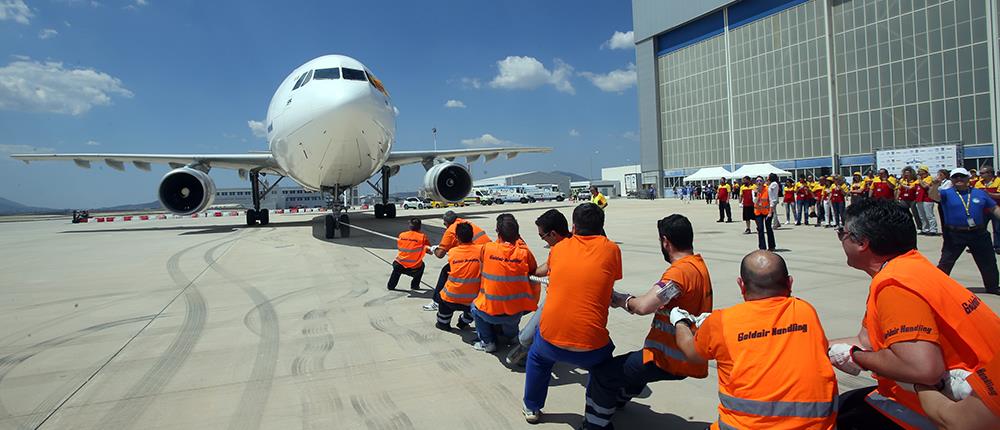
(955, 385)
(677, 315)
(698, 320)
(840, 357)
(432, 248)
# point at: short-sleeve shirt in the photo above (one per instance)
(954, 209)
(903, 316)
(582, 273)
(449, 240)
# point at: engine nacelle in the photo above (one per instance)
(185, 191)
(447, 182)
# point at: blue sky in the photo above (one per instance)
(188, 77)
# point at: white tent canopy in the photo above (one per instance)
(763, 169)
(708, 174)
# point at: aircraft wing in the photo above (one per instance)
(241, 162)
(400, 158)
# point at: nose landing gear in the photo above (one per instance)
(257, 214)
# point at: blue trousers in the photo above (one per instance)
(484, 325)
(615, 382)
(542, 356)
(802, 210)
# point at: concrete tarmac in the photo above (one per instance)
(205, 323)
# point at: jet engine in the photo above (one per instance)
(186, 190)
(447, 182)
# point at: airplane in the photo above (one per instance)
(331, 125)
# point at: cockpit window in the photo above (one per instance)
(376, 83)
(354, 74)
(301, 81)
(333, 73)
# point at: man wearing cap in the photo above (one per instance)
(965, 210)
(991, 184)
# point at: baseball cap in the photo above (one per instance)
(959, 171)
(857, 173)
(924, 168)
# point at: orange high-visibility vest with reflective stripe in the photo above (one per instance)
(462, 286)
(505, 287)
(969, 325)
(412, 246)
(660, 345)
(777, 374)
(762, 205)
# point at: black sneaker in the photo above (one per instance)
(445, 327)
(462, 325)
(993, 292)
(747, 231)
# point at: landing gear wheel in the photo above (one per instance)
(331, 226)
(251, 217)
(379, 210)
(390, 211)
(345, 230)
(263, 217)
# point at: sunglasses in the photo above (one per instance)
(843, 234)
(544, 235)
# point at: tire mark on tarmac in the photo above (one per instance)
(402, 335)
(138, 398)
(379, 412)
(319, 403)
(9, 362)
(258, 388)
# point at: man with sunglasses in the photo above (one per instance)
(919, 323)
(965, 217)
(552, 228)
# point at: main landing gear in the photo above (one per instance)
(384, 209)
(338, 220)
(257, 214)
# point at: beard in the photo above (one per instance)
(666, 255)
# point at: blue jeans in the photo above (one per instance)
(485, 322)
(802, 210)
(542, 356)
(615, 382)
(527, 334)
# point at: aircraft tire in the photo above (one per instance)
(264, 217)
(379, 210)
(251, 217)
(390, 211)
(345, 230)
(331, 226)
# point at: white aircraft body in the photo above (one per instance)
(331, 125)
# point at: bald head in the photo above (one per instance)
(764, 274)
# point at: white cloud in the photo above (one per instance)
(141, 2)
(631, 135)
(93, 143)
(614, 81)
(47, 33)
(574, 133)
(33, 86)
(471, 83)
(15, 10)
(257, 128)
(454, 104)
(22, 149)
(137, 4)
(525, 73)
(485, 140)
(620, 40)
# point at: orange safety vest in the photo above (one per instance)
(462, 286)
(449, 240)
(969, 325)
(505, 286)
(762, 205)
(661, 344)
(777, 374)
(412, 246)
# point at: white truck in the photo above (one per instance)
(544, 192)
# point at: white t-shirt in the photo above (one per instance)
(774, 193)
(945, 184)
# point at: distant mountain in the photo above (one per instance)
(155, 204)
(10, 207)
(573, 177)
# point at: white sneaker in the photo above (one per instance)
(432, 306)
(487, 347)
(532, 417)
